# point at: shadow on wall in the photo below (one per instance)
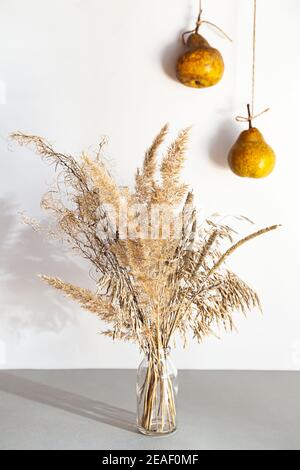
(170, 55)
(25, 303)
(175, 48)
(224, 138)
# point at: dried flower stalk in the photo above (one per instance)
(153, 277)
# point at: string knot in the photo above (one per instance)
(251, 116)
(199, 22)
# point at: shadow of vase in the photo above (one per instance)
(68, 401)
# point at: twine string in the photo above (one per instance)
(215, 26)
(199, 22)
(254, 53)
(251, 115)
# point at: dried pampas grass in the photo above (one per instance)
(154, 276)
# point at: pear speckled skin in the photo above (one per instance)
(201, 66)
(251, 156)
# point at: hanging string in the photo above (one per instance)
(199, 22)
(251, 116)
(254, 53)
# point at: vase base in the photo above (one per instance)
(156, 433)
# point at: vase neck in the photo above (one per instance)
(162, 353)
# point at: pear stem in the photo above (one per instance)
(249, 115)
(198, 22)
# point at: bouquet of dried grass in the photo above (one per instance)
(158, 271)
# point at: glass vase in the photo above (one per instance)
(157, 389)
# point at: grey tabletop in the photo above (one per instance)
(95, 409)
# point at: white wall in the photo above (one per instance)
(73, 70)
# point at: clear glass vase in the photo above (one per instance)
(157, 389)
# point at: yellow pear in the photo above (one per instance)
(251, 156)
(201, 65)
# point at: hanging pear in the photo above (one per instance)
(201, 65)
(251, 156)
